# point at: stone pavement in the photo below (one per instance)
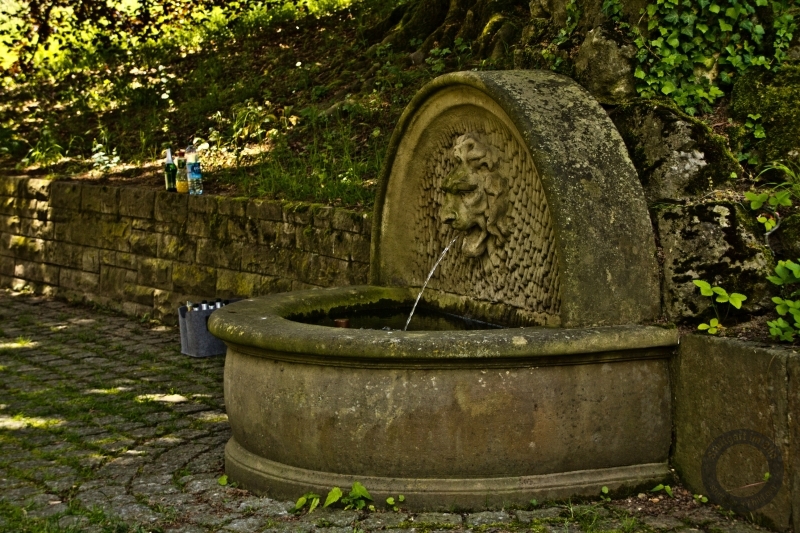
(106, 427)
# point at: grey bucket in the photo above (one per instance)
(196, 341)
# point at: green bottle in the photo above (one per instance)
(170, 173)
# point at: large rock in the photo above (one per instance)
(605, 66)
(789, 235)
(714, 242)
(676, 156)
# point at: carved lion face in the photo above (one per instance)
(476, 195)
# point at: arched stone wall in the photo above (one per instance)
(529, 170)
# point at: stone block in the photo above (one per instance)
(34, 271)
(90, 260)
(273, 285)
(8, 206)
(101, 199)
(38, 189)
(265, 210)
(213, 226)
(79, 280)
(9, 186)
(267, 231)
(231, 284)
(358, 247)
(113, 280)
(144, 243)
(118, 259)
(735, 409)
(233, 207)
(242, 229)
(286, 236)
(165, 305)
(176, 248)
(64, 254)
(255, 257)
(171, 207)
(219, 254)
(140, 295)
(155, 273)
(32, 227)
(194, 279)
(11, 224)
(101, 231)
(135, 202)
(7, 265)
(202, 204)
(27, 248)
(66, 195)
(323, 216)
(297, 213)
(345, 220)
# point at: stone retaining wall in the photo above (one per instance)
(145, 251)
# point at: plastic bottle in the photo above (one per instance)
(193, 171)
(182, 179)
(170, 173)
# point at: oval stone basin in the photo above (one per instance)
(468, 418)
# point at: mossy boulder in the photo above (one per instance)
(677, 157)
(716, 242)
(776, 97)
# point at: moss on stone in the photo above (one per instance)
(776, 97)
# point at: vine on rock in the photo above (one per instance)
(692, 50)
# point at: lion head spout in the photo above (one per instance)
(476, 195)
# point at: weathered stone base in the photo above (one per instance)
(263, 476)
(736, 413)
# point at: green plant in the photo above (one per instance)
(691, 51)
(356, 499)
(718, 294)
(309, 498)
(392, 502)
(665, 488)
(787, 273)
(45, 152)
(436, 59)
(699, 498)
(604, 494)
(103, 161)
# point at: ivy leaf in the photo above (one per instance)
(639, 73)
(724, 26)
(714, 8)
(668, 87)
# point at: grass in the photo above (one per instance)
(294, 105)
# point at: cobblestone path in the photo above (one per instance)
(106, 427)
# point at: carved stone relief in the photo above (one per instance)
(480, 182)
(476, 195)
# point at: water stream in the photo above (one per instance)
(430, 275)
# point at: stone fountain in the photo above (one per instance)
(555, 244)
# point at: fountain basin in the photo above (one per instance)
(447, 418)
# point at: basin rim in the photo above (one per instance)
(260, 324)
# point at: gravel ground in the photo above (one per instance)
(106, 427)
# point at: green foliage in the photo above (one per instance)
(309, 499)
(777, 196)
(393, 502)
(665, 488)
(787, 274)
(102, 160)
(222, 480)
(699, 499)
(717, 294)
(692, 51)
(356, 499)
(46, 151)
(604, 494)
